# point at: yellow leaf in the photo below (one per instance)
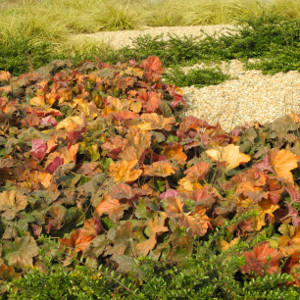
(38, 101)
(136, 107)
(288, 245)
(70, 123)
(185, 185)
(229, 154)
(223, 245)
(266, 207)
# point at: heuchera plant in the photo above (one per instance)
(99, 157)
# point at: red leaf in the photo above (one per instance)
(39, 149)
(57, 161)
(150, 101)
(153, 67)
(49, 121)
(169, 193)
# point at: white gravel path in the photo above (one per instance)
(250, 97)
(119, 39)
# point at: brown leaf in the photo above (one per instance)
(122, 191)
(143, 248)
(257, 260)
(20, 253)
(197, 172)
(11, 202)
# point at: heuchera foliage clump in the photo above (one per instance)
(98, 157)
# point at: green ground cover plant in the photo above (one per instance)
(272, 41)
(195, 77)
(207, 274)
(98, 158)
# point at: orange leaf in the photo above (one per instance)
(153, 68)
(112, 207)
(197, 172)
(157, 225)
(4, 76)
(283, 162)
(155, 122)
(175, 152)
(124, 171)
(81, 238)
(196, 222)
(139, 141)
(159, 169)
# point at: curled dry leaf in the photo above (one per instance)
(11, 202)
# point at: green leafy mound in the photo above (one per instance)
(98, 158)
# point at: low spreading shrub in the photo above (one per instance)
(195, 77)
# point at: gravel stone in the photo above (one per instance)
(119, 39)
(249, 97)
